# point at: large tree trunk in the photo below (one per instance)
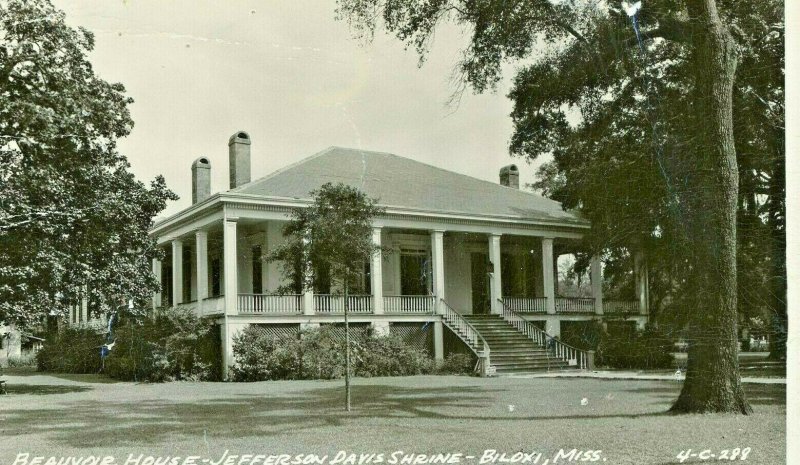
(712, 377)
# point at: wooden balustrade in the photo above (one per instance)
(554, 347)
(422, 304)
(467, 333)
(526, 304)
(270, 303)
(213, 305)
(620, 306)
(574, 305)
(328, 303)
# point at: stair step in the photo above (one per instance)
(512, 351)
(529, 366)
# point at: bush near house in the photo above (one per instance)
(646, 349)
(319, 354)
(457, 364)
(623, 346)
(71, 350)
(172, 345)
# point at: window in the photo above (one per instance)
(415, 272)
(187, 274)
(322, 279)
(257, 267)
(518, 274)
(166, 286)
(215, 277)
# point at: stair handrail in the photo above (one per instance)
(551, 344)
(467, 333)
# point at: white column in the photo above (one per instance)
(642, 282)
(201, 263)
(495, 278)
(376, 274)
(597, 284)
(552, 326)
(548, 278)
(228, 331)
(438, 341)
(177, 272)
(229, 258)
(157, 274)
(437, 254)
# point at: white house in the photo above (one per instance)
(469, 256)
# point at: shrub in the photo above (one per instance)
(320, 354)
(172, 345)
(22, 361)
(261, 356)
(71, 350)
(583, 335)
(641, 350)
(390, 356)
(457, 364)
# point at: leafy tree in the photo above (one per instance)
(652, 92)
(629, 205)
(334, 233)
(73, 220)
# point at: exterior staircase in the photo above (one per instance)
(513, 352)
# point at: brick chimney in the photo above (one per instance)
(201, 180)
(239, 153)
(509, 176)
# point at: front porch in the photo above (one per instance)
(426, 275)
(222, 271)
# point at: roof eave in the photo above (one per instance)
(194, 210)
(293, 202)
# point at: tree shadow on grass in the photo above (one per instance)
(757, 394)
(93, 424)
(42, 390)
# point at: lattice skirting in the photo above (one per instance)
(358, 331)
(416, 335)
(281, 330)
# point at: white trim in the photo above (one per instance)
(281, 206)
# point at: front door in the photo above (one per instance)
(479, 263)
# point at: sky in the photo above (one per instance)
(294, 78)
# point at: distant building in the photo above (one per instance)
(467, 255)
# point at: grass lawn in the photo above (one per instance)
(751, 365)
(60, 416)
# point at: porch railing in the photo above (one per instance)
(620, 306)
(270, 303)
(422, 304)
(467, 333)
(329, 303)
(554, 347)
(526, 304)
(574, 305)
(213, 305)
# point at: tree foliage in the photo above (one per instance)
(637, 111)
(625, 164)
(334, 233)
(73, 219)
